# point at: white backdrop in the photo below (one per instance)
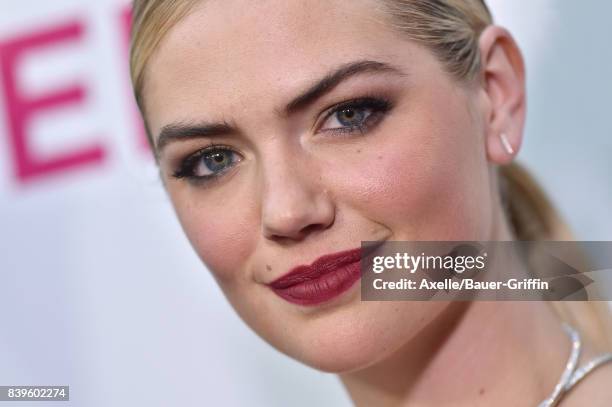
(100, 290)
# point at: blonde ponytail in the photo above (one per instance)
(533, 217)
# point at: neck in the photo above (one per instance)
(473, 354)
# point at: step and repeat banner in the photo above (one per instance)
(99, 288)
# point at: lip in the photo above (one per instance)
(324, 279)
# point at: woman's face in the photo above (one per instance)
(387, 147)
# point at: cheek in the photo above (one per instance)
(423, 175)
(222, 235)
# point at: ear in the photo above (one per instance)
(503, 81)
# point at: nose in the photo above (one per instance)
(295, 204)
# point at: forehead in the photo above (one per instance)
(226, 54)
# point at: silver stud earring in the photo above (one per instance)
(506, 144)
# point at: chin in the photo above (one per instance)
(359, 336)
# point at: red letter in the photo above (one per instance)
(20, 109)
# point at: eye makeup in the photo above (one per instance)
(355, 116)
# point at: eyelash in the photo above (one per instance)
(188, 165)
(379, 107)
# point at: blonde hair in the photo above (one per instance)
(451, 30)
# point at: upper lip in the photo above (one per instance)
(323, 265)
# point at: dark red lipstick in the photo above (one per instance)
(326, 278)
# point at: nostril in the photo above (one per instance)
(312, 228)
(287, 237)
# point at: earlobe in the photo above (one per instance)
(507, 146)
(508, 153)
(501, 147)
(503, 79)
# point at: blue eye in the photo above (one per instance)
(207, 163)
(355, 115)
(351, 117)
(213, 162)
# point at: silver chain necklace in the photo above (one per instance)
(572, 374)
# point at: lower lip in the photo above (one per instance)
(322, 288)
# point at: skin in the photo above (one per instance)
(424, 171)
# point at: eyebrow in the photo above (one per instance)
(185, 131)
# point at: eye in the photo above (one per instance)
(349, 117)
(207, 163)
(213, 162)
(355, 115)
